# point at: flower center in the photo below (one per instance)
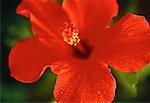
(70, 34)
(83, 50)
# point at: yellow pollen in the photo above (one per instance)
(70, 34)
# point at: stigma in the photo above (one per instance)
(70, 34)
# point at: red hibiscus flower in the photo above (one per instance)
(75, 41)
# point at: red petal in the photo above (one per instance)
(89, 13)
(128, 44)
(28, 59)
(84, 82)
(46, 16)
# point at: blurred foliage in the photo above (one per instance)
(128, 83)
(59, 1)
(21, 30)
(130, 86)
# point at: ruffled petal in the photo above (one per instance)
(91, 14)
(46, 16)
(86, 82)
(128, 44)
(28, 59)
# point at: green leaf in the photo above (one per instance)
(128, 83)
(144, 73)
(18, 30)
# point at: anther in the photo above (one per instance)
(70, 34)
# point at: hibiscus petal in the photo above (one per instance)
(91, 13)
(28, 59)
(128, 44)
(46, 16)
(84, 82)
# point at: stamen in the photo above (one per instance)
(70, 34)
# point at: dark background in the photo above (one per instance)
(131, 87)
